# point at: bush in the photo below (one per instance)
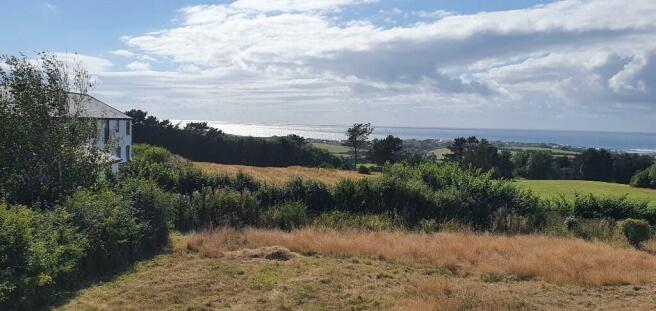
(151, 206)
(210, 208)
(347, 221)
(590, 206)
(286, 216)
(636, 231)
(111, 226)
(39, 253)
(363, 169)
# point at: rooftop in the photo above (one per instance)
(91, 107)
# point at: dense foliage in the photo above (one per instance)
(645, 178)
(591, 164)
(218, 147)
(43, 136)
(636, 231)
(480, 154)
(386, 150)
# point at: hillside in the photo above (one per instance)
(362, 271)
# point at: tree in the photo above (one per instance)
(595, 164)
(385, 150)
(534, 164)
(473, 153)
(45, 139)
(356, 137)
(625, 165)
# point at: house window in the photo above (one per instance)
(127, 127)
(127, 152)
(106, 131)
(118, 151)
(116, 127)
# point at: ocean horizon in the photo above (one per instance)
(622, 141)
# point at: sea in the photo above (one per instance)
(620, 141)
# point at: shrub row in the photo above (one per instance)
(88, 235)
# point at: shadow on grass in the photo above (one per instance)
(64, 296)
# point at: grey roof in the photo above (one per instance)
(89, 106)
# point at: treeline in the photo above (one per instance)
(199, 142)
(591, 164)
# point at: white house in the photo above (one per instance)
(114, 127)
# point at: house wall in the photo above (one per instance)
(118, 137)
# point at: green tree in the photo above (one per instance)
(474, 153)
(595, 164)
(356, 137)
(45, 140)
(385, 150)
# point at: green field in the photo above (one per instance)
(554, 151)
(440, 152)
(552, 189)
(336, 149)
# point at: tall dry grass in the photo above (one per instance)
(555, 260)
(281, 175)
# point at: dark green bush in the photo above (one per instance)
(39, 253)
(590, 206)
(110, 224)
(152, 208)
(432, 191)
(636, 231)
(210, 208)
(363, 169)
(285, 216)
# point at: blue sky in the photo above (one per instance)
(572, 64)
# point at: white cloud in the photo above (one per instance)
(123, 53)
(294, 5)
(570, 57)
(138, 66)
(92, 64)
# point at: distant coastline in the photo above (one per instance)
(621, 141)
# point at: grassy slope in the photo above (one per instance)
(186, 278)
(336, 149)
(280, 175)
(554, 188)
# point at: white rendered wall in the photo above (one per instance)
(118, 137)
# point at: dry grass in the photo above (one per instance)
(234, 276)
(555, 260)
(455, 294)
(281, 175)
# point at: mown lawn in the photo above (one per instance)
(553, 189)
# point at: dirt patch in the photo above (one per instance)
(274, 253)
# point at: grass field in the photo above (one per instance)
(552, 189)
(440, 152)
(281, 175)
(327, 270)
(555, 151)
(336, 149)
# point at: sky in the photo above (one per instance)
(565, 65)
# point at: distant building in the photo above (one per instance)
(114, 128)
